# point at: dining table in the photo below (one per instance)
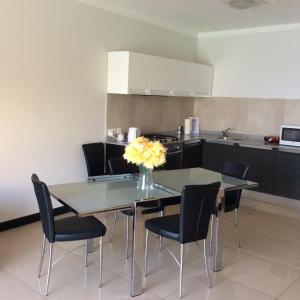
(106, 193)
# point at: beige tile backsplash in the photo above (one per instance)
(244, 115)
(251, 116)
(150, 113)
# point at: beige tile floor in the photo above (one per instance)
(267, 267)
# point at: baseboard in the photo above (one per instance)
(30, 219)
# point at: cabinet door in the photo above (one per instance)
(287, 175)
(139, 74)
(185, 78)
(215, 154)
(203, 79)
(260, 163)
(192, 155)
(162, 76)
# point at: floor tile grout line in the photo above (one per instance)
(288, 287)
(270, 260)
(268, 235)
(249, 287)
(22, 282)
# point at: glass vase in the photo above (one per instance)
(145, 181)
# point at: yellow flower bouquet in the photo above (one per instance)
(147, 155)
(142, 151)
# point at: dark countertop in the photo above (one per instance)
(244, 140)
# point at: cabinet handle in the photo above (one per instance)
(159, 92)
(138, 91)
(296, 151)
(256, 147)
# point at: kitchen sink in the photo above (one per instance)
(229, 139)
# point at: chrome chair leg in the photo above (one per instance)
(49, 267)
(237, 227)
(211, 235)
(100, 260)
(114, 227)
(181, 269)
(42, 256)
(162, 213)
(127, 237)
(85, 253)
(146, 253)
(206, 264)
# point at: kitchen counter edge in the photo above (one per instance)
(241, 139)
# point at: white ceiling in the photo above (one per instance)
(198, 16)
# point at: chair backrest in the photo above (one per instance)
(237, 170)
(120, 166)
(45, 207)
(94, 158)
(198, 202)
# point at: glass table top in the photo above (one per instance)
(106, 193)
(177, 179)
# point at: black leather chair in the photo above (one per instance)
(120, 166)
(63, 230)
(191, 225)
(232, 198)
(94, 158)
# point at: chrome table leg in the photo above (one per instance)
(127, 237)
(137, 236)
(146, 253)
(212, 222)
(237, 227)
(100, 260)
(162, 214)
(181, 269)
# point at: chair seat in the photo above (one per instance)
(75, 228)
(167, 226)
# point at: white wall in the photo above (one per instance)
(52, 88)
(254, 65)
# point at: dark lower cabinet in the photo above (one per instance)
(260, 163)
(287, 174)
(192, 155)
(215, 154)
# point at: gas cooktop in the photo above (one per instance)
(163, 138)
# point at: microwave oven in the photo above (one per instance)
(290, 135)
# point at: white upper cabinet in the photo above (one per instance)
(185, 79)
(138, 74)
(162, 76)
(193, 80)
(203, 80)
(128, 73)
(135, 73)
